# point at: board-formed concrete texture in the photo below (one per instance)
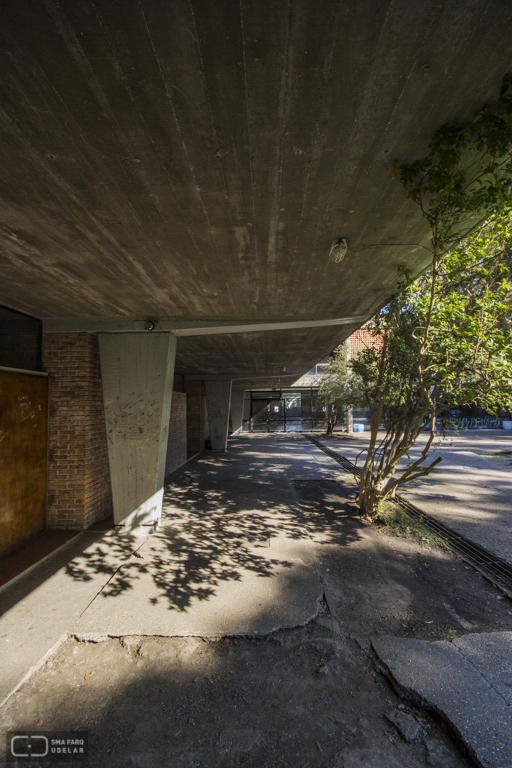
(195, 160)
(465, 681)
(137, 375)
(218, 402)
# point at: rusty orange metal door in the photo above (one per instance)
(23, 455)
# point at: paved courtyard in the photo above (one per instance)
(245, 631)
(470, 490)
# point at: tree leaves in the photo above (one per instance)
(447, 336)
(465, 174)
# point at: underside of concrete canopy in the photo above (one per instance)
(194, 161)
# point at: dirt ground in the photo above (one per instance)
(305, 697)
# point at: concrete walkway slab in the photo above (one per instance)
(491, 654)
(37, 612)
(267, 587)
(231, 557)
(456, 680)
(305, 696)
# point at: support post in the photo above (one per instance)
(218, 400)
(237, 410)
(196, 426)
(137, 372)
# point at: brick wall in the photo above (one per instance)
(177, 443)
(79, 491)
(363, 338)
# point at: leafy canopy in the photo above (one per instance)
(467, 355)
(446, 336)
(341, 388)
(466, 174)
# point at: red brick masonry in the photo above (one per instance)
(363, 338)
(79, 491)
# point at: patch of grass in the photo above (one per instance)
(393, 518)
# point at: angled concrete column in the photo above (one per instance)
(237, 410)
(137, 371)
(218, 399)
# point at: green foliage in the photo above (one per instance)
(466, 355)
(447, 336)
(391, 517)
(340, 388)
(466, 173)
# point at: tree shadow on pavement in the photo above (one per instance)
(216, 527)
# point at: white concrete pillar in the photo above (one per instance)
(237, 410)
(137, 371)
(218, 400)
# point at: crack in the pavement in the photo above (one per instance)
(121, 565)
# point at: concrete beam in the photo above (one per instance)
(218, 400)
(137, 374)
(235, 376)
(210, 327)
(237, 409)
(184, 327)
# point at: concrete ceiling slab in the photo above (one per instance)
(278, 353)
(196, 160)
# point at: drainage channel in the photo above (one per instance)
(492, 567)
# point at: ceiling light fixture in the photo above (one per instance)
(338, 250)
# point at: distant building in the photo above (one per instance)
(299, 408)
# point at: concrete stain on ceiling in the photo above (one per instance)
(194, 159)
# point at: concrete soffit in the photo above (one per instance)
(234, 376)
(182, 327)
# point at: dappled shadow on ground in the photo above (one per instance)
(383, 583)
(329, 510)
(304, 696)
(203, 541)
(103, 557)
(104, 550)
(224, 518)
(468, 491)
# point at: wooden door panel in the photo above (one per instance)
(23, 449)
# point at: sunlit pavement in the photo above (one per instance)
(231, 556)
(249, 541)
(470, 490)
